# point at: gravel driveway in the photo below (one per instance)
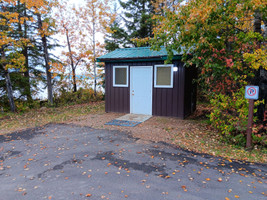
(60, 161)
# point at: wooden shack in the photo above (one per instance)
(137, 81)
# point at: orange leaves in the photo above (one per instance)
(219, 179)
(44, 30)
(82, 27)
(12, 46)
(201, 11)
(56, 68)
(184, 188)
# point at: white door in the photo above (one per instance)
(141, 90)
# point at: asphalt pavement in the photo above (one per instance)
(60, 161)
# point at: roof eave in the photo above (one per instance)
(134, 59)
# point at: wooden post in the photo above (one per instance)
(250, 121)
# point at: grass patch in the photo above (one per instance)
(37, 117)
(203, 140)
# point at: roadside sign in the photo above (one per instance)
(252, 92)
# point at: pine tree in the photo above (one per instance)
(117, 35)
(19, 48)
(137, 17)
(115, 39)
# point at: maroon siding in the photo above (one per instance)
(165, 102)
(170, 101)
(117, 98)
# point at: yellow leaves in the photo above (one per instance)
(257, 59)
(44, 30)
(15, 60)
(12, 46)
(202, 11)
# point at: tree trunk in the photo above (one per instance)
(94, 58)
(265, 28)
(47, 67)
(9, 92)
(74, 80)
(8, 83)
(257, 21)
(71, 62)
(26, 55)
(27, 86)
(260, 75)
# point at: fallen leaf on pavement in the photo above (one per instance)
(184, 188)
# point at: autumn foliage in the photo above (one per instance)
(17, 19)
(220, 38)
(28, 31)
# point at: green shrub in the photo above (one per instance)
(230, 116)
(79, 97)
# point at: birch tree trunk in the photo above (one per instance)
(94, 57)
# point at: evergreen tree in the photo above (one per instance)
(116, 38)
(137, 20)
(45, 29)
(21, 53)
(117, 35)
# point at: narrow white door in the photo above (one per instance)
(141, 90)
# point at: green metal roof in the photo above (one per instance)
(140, 53)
